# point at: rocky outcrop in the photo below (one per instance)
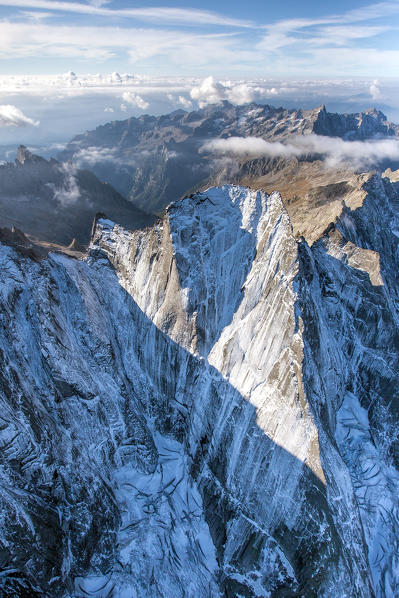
(25, 156)
(206, 407)
(17, 239)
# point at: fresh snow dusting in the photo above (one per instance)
(205, 407)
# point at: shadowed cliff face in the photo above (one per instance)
(206, 407)
(116, 460)
(57, 202)
(351, 362)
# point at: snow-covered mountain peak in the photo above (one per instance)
(205, 407)
(210, 241)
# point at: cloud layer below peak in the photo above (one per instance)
(334, 151)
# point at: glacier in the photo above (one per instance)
(205, 407)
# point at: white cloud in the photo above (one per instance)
(70, 76)
(123, 107)
(335, 151)
(69, 193)
(209, 92)
(180, 101)
(135, 100)
(375, 91)
(108, 109)
(185, 102)
(239, 93)
(71, 84)
(11, 116)
(361, 154)
(88, 157)
(249, 147)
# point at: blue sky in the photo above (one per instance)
(67, 66)
(223, 39)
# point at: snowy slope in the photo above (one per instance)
(205, 407)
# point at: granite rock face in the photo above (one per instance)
(207, 407)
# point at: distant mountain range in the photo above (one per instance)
(152, 160)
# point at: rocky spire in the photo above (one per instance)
(24, 155)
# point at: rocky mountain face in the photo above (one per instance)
(57, 202)
(363, 125)
(154, 160)
(208, 407)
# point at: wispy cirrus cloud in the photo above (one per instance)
(157, 37)
(192, 16)
(373, 11)
(18, 40)
(186, 16)
(98, 3)
(308, 41)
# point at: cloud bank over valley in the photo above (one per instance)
(334, 151)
